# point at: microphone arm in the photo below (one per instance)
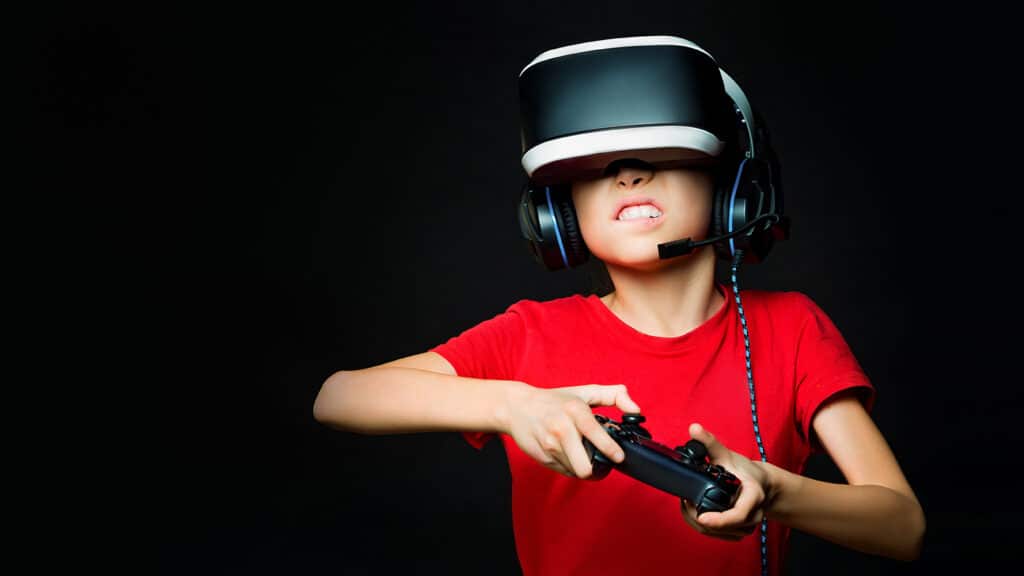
(686, 245)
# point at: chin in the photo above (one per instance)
(648, 261)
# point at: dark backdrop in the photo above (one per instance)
(331, 189)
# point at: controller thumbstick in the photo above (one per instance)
(693, 450)
(631, 423)
(633, 419)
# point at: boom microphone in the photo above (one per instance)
(779, 224)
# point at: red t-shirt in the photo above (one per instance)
(619, 525)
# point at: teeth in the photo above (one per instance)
(642, 211)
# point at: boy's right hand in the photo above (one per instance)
(548, 424)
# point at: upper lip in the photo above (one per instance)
(635, 201)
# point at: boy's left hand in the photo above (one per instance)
(755, 492)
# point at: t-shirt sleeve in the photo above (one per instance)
(825, 366)
(490, 350)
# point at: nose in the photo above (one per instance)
(630, 173)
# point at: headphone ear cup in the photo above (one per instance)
(547, 221)
(724, 179)
(752, 200)
(575, 248)
(529, 224)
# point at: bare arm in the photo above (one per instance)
(419, 393)
(422, 393)
(877, 512)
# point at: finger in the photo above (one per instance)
(690, 514)
(606, 395)
(746, 508)
(716, 450)
(561, 441)
(535, 451)
(572, 446)
(599, 437)
(744, 529)
(555, 466)
(726, 533)
(623, 401)
(750, 527)
(560, 469)
(554, 457)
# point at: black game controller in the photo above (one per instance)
(686, 472)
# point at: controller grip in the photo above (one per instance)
(715, 500)
(600, 463)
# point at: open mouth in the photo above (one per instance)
(637, 208)
(639, 212)
(642, 222)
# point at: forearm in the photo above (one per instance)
(869, 518)
(391, 400)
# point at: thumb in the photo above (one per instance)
(607, 395)
(715, 448)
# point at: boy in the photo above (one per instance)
(665, 343)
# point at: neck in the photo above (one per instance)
(670, 300)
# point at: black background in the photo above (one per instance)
(310, 189)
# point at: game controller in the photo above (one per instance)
(686, 471)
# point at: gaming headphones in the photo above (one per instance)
(661, 100)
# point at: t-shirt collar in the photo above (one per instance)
(706, 333)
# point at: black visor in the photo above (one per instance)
(658, 99)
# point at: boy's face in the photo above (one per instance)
(682, 195)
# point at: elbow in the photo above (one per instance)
(920, 527)
(915, 532)
(325, 406)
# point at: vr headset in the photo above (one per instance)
(661, 100)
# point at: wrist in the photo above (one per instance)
(779, 484)
(512, 394)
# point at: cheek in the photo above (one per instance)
(592, 227)
(700, 216)
(696, 214)
(586, 216)
(586, 219)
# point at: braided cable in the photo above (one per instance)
(737, 260)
